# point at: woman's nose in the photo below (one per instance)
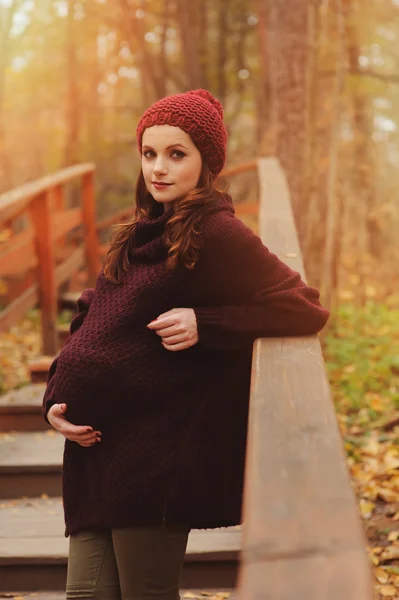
(160, 167)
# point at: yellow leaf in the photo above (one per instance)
(381, 575)
(374, 559)
(391, 554)
(388, 591)
(366, 508)
(387, 495)
(190, 595)
(393, 536)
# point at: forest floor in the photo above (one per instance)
(362, 359)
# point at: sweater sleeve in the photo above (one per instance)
(84, 302)
(268, 298)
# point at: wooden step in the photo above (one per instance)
(20, 410)
(38, 368)
(200, 594)
(30, 463)
(33, 549)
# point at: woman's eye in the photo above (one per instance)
(149, 154)
(178, 154)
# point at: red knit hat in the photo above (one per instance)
(200, 115)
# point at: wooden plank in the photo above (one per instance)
(246, 209)
(36, 452)
(238, 169)
(303, 538)
(20, 254)
(28, 398)
(40, 210)
(32, 530)
(18, 308)
(332, 577)
(68, 267)
(16, 200)
(65, 221)
(89, 221)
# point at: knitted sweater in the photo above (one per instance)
(174, 423)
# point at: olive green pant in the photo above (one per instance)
(141, 563)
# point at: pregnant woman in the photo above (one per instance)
(151, 390)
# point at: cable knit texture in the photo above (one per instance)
(174, 423)
(200, 115)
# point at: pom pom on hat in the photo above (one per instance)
(208, 96)
(199, 114)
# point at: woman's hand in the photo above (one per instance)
(82, 434)
(177, 328)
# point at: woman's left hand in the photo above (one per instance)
(177, 328)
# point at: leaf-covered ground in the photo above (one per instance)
(362, 358)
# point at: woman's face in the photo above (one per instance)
(170, 161)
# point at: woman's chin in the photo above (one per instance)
(161, 200)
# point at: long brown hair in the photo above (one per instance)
(182, 231)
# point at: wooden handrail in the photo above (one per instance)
(302, 537)
(46, 223)
(14, 201)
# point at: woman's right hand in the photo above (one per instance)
(82, 434)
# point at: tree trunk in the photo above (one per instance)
(287, 41)
(363, 163)
(330, 262)
(188, 25)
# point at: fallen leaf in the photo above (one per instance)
(381, 575)
(366, 508)
(388, 591)
(387, 495)
(391, 554)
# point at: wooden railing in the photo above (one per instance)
(302, 535)
(40, 245)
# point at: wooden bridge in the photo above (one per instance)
(301, 539)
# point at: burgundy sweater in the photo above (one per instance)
(174, 423)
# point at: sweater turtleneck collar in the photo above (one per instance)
(148, 242)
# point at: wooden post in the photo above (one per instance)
(40, 211)
(89, 222)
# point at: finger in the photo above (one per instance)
(177, 347)
(70, 428)
(163, 322)
(86, 437)
(88, 442)
(169, 331)
(175, 339)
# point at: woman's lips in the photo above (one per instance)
(160, 186)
